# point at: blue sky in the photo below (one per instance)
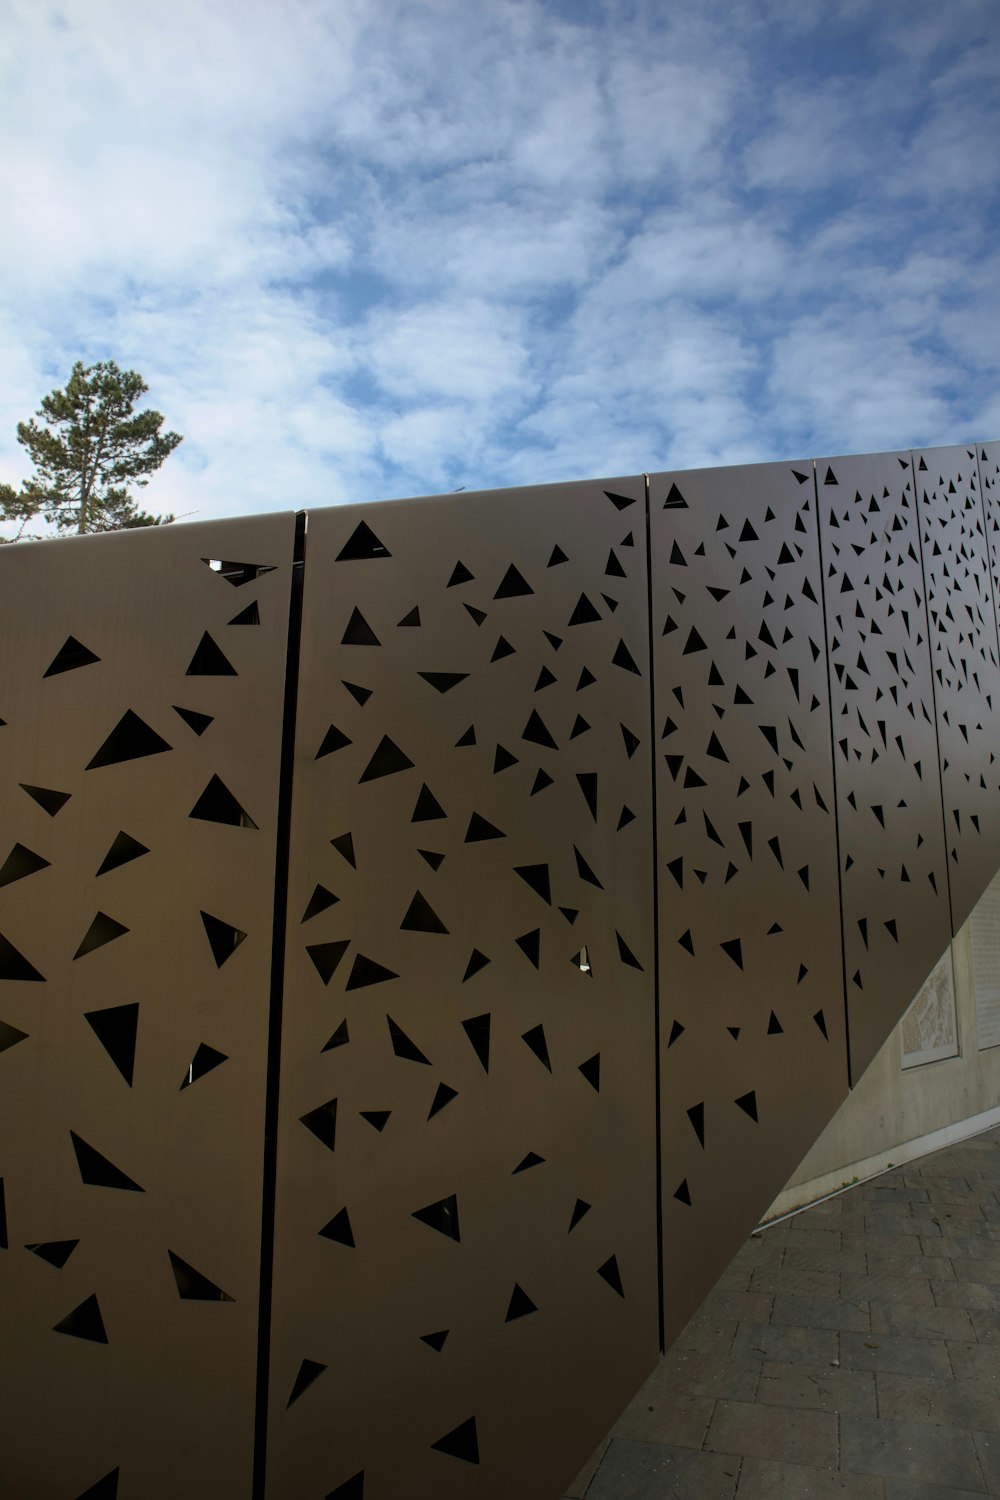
(363, 249)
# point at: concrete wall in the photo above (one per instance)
(897, 1113)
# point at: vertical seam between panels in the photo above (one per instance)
(660, 1268)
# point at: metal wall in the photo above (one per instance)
(141, 694)
(623, 822)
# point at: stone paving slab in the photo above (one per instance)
(851, 1352)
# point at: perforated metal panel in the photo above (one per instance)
(963, 635)
(141, 694)
(466, 1255)
(988, 458)
(752, 1036)
(893, 880)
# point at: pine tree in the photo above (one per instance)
(88, 445)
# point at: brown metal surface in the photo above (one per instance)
(117, 1359)
(751, 994)
(963, 633)
(988, 458)
(893, 881)
(466, 1260)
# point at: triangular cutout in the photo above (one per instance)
(477, 1029)
(71, 654)
(116, 1028)
(223, 937)
(54, 1252)
(192, 1285)
(104, 1489)
(611, 1274)
(124, 849)
(591, 1070)
(460, 574)
(443, 682)
(218, 805)
(344, 845)
(84, 1322)
(411, 620)
(320, 900)
(580, 1208)
(435, 1340)
(443, 1095)
(403, 1046)
(378, 1119)
(309, 1370)
(194, 720)
(388, 760)
(97, 1171)
(512, 585)
(14, 965)
(361, 545)
(131, 739)
(366, 971)
(322, 1122)
(10, 1036)
(479, 829)
(339, 1229)
(530, 945)
(421, 917)
(359, 694)
(49, 801)
(340, 1038)
(535, 1039)
(210, 661)
(248, 616)
(20, 862)
(103, 929)
(351, 1489)
(537, 876)
(442, 1216)
(427, 807)
(204, 1061)
(520, 1304)
(334, 739)
(359, 632)
(326, 956)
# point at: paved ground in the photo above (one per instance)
(852, 1351)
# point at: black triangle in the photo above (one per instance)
(462, 1442)
(204, 1061)
(477, 1029)
(351, 1489)
(479, 615)
(696, 1114)
(359, 632)
(537, 876)
(620, 502)
(71, 654)
(48, 800)
(361, 545)
(238, 573)
(14, 965)
(623, 658)
(421, 917)
(192, 1286)
(443, 682)
(591, 1070)
(535, 1039)
(512, 585)
(84, 1322)
(124, 849)
(55, 1252)
(210, 661)
(558, 556)
(588, 785)
(339, 1229)
(344, 845)
(326, 956)
(20, 862)
(388, 760)
(612, 1275)
(322, 1122)
(97, 1171)
(479, 829)
(748, 1104)
(116, 1028)
(412, 618)
(223, 937)
(403, 1046)
(378, 1119)
(502, 760)
(435, 1340)
(442, 1216)
(626, 955)
(334, 739)
(104, 1489)
(444, 1095)
(309, 1370)
(10, 1036)
(194, 720)
(366, 971)
(675, 500)
(584, 870)
(542, 780)
(580, 1207)
(520, 1304)
(218, 805)
(586, 678)
(503, 648)
(530, 945)
(131, 739)
(340, 1038)
(103, 929)
(683, 1193)
(584, 613)
(774, 1026)
(468, 738)
(248, 616)
(320, 900)
(460, 574)
(536, 732)
(614, 568)
(434, 859)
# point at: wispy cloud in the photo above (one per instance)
(367, 248)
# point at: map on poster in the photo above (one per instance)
(929, 1032)
(986, 965)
